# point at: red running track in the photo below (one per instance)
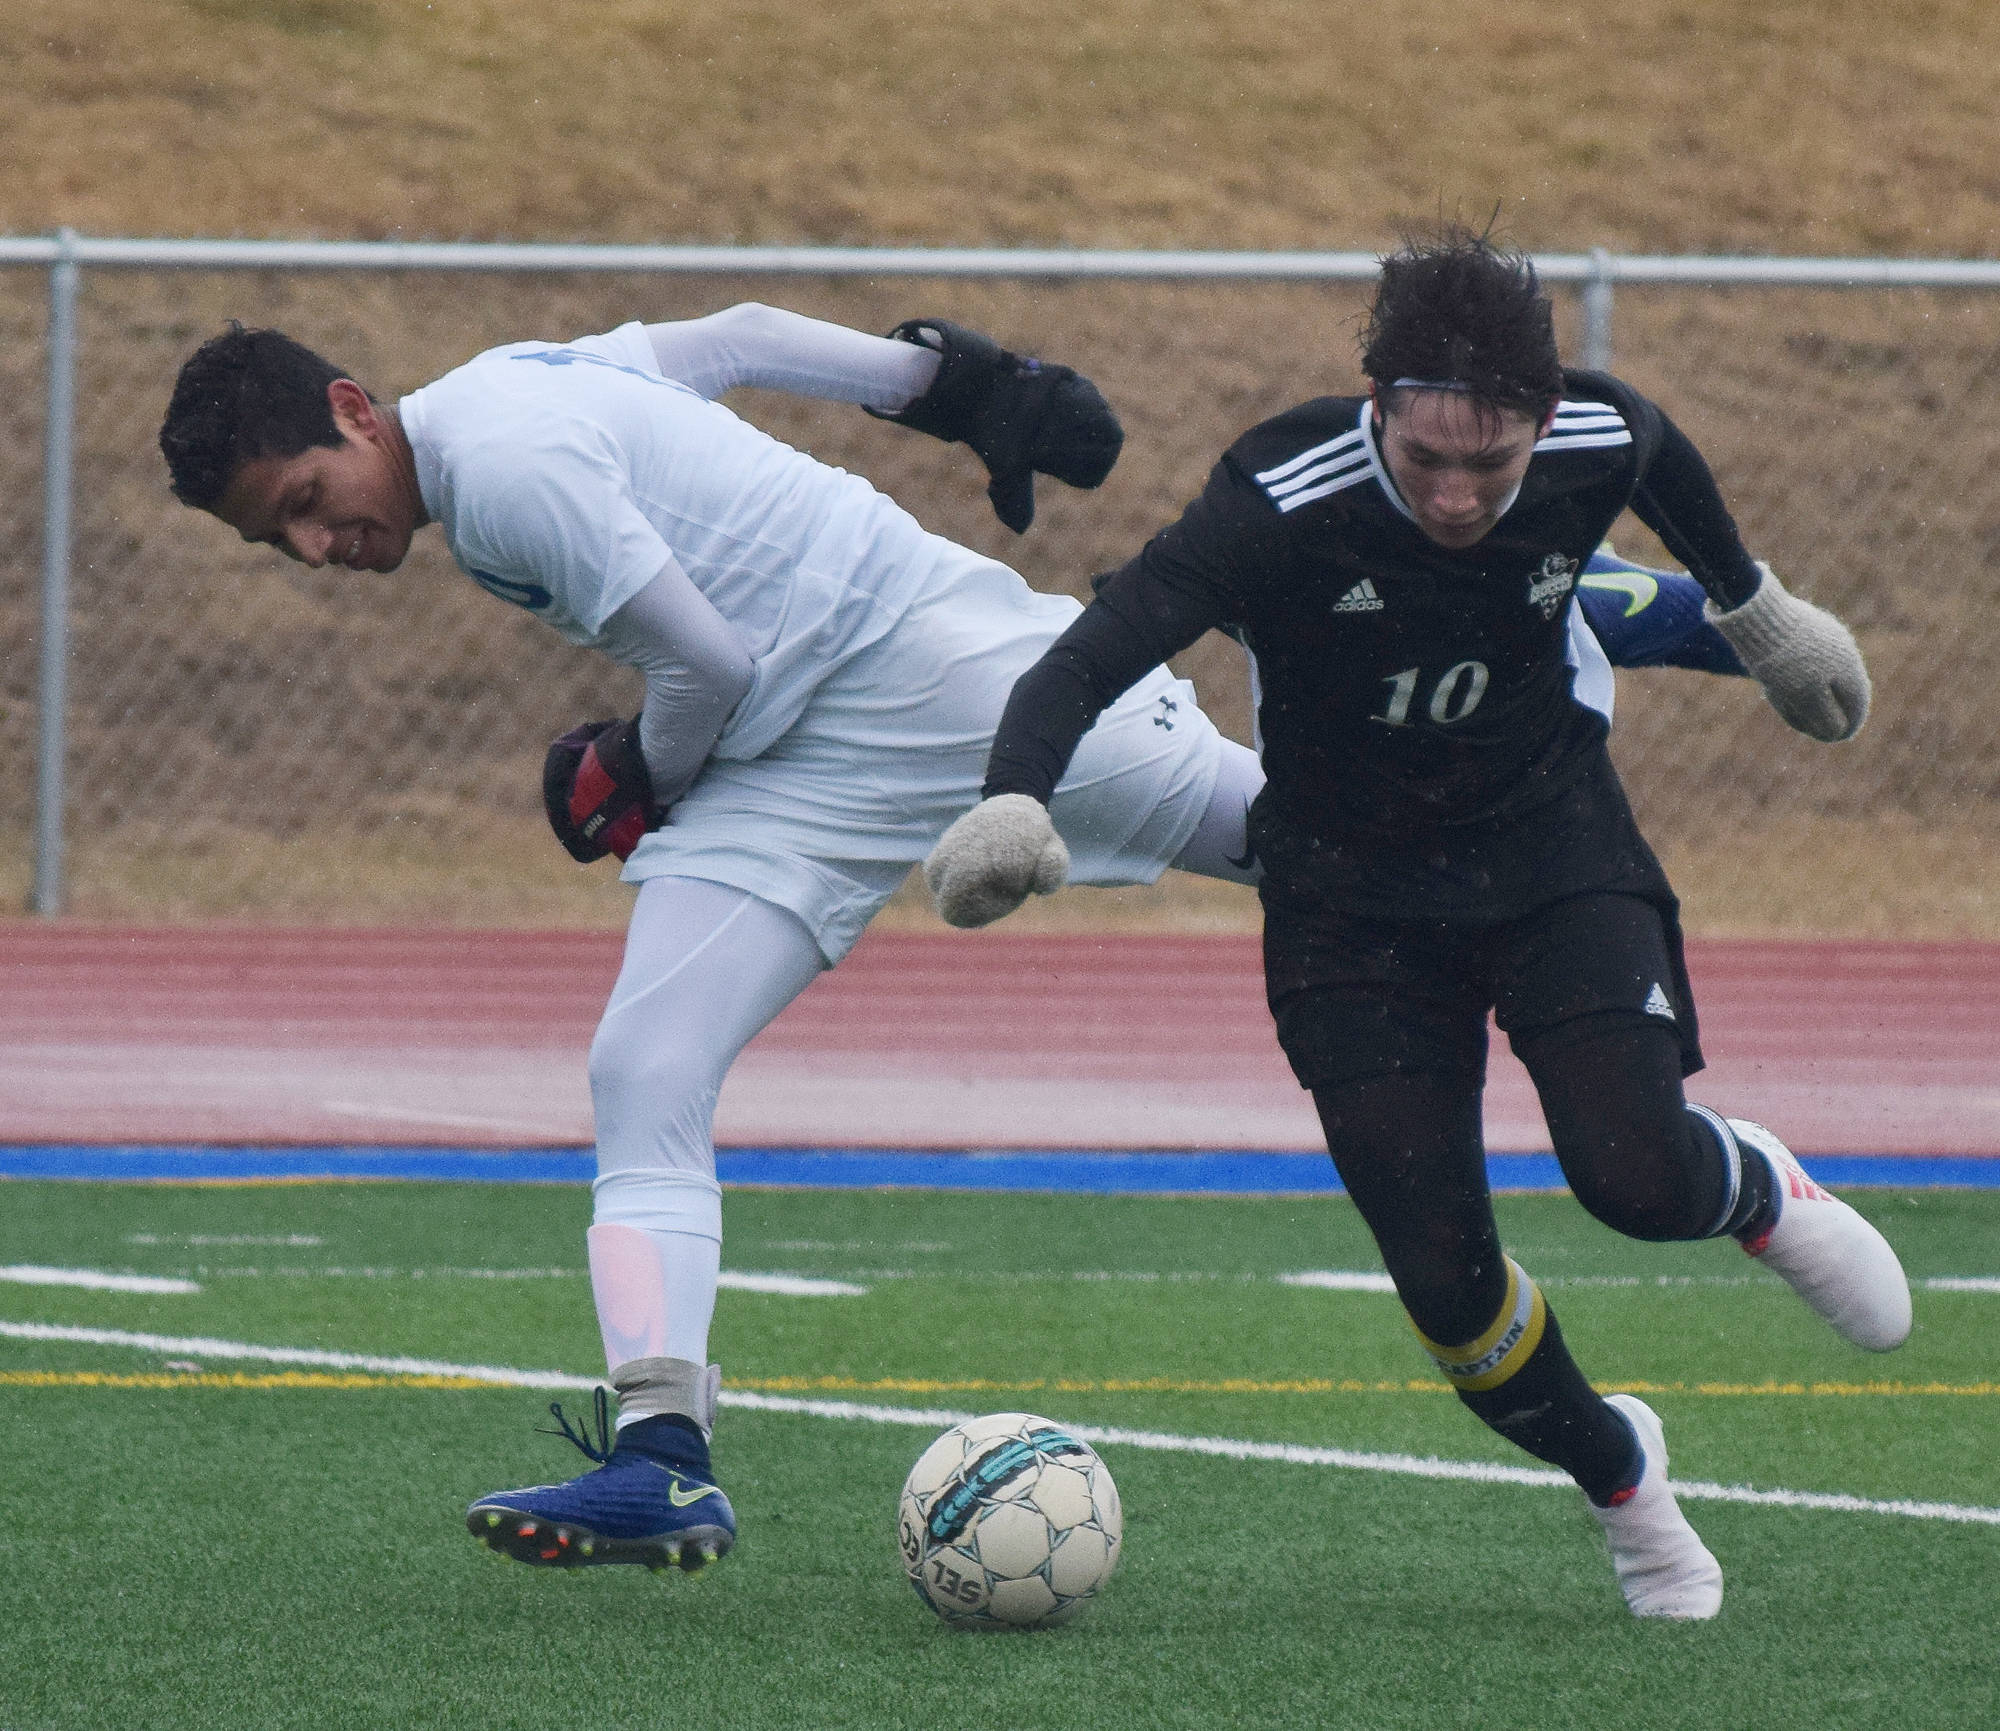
(254, 1035)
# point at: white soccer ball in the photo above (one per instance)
(1007, 1521)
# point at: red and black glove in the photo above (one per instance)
(597, 792)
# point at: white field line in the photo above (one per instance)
(451, 1120)
(814, 1286)
(1413, 1466)
(1373, 1280)
(789, 1285)
(1361, 1280)
(779, 1285)
(27, 1274)
(198, 1347)
(1228, 1448)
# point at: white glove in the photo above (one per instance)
(986, 864)
(1807, 661)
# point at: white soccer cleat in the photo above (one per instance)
(1829, 1255)
(1664, 1570)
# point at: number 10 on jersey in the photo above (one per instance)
(1453, 696)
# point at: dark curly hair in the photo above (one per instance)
(1458, 309)
(242, 395)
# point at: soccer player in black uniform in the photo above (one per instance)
(1442, 834)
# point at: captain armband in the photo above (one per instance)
(1498, 1353)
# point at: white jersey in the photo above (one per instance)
(578, 480)
(567, 476)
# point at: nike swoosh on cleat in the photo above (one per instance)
(682, 1498)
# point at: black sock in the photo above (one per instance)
(1756, 1209)
(1548, 1409)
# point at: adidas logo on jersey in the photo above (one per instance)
(1657, 1003)
(1360, 599)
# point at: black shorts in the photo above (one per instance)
(1361, 997)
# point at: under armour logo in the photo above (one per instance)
(1168, 709)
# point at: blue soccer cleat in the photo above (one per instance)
(650, 1501)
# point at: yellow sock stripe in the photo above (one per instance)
(1498, 1353)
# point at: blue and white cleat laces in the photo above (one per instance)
(651, 1501)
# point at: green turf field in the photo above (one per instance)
(286, 1548)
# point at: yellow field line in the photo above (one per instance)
(968, 1385)
(227, 1379)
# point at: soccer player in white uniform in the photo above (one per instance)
(822, 678)
(822, 682)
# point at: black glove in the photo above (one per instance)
(1020, 414)
(597, 792)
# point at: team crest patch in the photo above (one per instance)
(1549, 587)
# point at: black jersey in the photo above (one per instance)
(1416, 702)
(1405, 684)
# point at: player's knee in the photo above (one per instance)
(1637, 1196)
(653, 1103)
(629, 1062)
(1634, 1172)
(1610, 1087)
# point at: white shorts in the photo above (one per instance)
(827, 823)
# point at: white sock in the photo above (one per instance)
(655, 1292)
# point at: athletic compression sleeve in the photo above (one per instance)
(696, 668)
(1677, 499)
(785, 351)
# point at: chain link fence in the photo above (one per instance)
(247, 739)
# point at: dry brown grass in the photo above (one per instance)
(1887, 879)
(231, 724)
(1782, 126)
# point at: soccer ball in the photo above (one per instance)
(1007, 1521)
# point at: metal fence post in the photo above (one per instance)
(1597, 312)
(58, 463)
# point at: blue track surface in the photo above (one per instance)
(1222, 1174)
